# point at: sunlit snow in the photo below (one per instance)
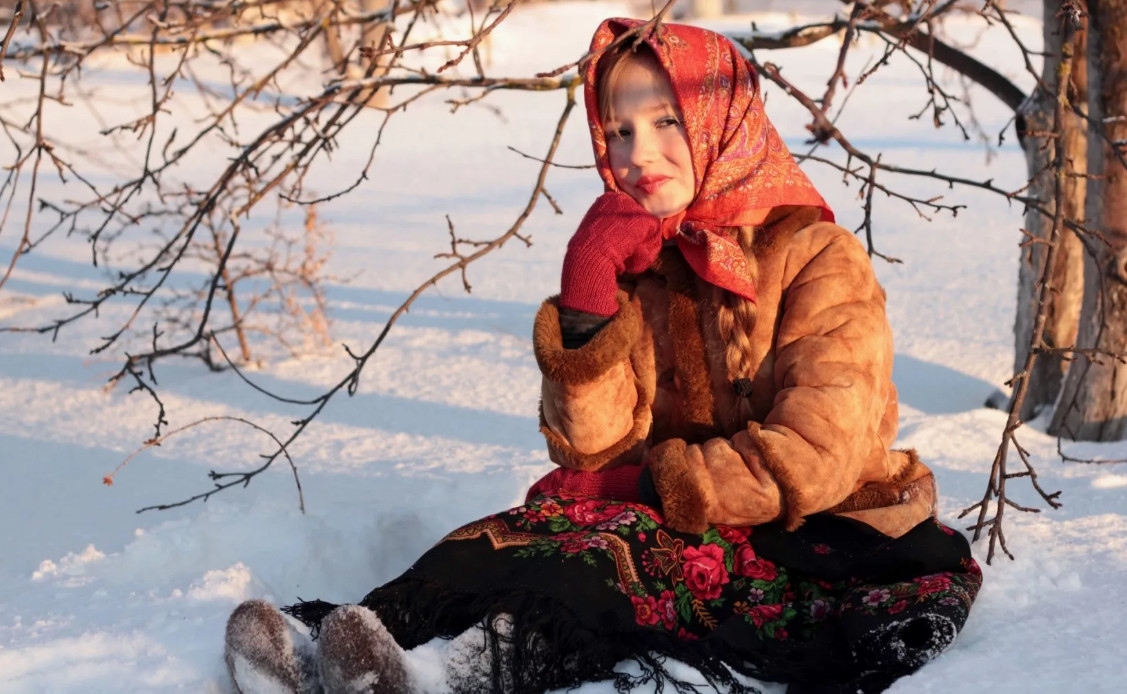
(97, 599)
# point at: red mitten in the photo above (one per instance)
(619, 484)
(616, 236)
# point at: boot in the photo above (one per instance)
(359, 656)
(260, 653)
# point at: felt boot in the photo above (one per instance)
(359, 656)
(261, 655)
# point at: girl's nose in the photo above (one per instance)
(644, 149)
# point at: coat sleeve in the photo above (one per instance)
(594, 410)
(826, 431)
(833, 378)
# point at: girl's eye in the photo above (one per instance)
(668, 121)
(619, 134)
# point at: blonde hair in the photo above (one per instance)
(735, 316)
(610, 69)
(735, 321)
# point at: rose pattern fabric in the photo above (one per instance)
(689, 584)
(587, 584)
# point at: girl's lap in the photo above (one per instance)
(602, 581)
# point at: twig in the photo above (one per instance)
(867, 221)
(351, 382)
(996, 488)
(40, 146)
(75, 48)
(1088, 461)
(243, 478)
(558, 166)
(17, 14)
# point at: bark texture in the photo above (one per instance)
(1035, 129)
(1093, 405)
(354, 67)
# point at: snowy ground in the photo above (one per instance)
(94, 598)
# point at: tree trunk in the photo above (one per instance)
(373, 35)
(353, 67)
(1036, 122)
(1093, 406)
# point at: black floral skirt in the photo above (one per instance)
(582, 585)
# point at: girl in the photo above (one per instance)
(717, 395)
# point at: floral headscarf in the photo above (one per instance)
(741, 166)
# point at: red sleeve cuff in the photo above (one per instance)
(619, 484)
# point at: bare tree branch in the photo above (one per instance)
(996, 489)
(351, 382)
(17, 14)
(240, 478)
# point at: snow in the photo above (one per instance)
(95, 598)
(254, 680)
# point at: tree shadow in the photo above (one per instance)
(937, 389)
(56, 276)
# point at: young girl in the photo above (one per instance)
(717, 395)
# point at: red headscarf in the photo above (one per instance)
(741, 165)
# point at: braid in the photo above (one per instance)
(735, 320)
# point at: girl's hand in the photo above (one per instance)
(616, 236)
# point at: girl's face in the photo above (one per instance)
(646, 140)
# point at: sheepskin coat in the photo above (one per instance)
(652, 387)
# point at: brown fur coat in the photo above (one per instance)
(653, 386)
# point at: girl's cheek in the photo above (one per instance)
(616, 156)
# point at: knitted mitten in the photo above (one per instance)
(616, 236)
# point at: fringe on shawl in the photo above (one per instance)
(536, 643)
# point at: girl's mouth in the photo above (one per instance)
(649, 184)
